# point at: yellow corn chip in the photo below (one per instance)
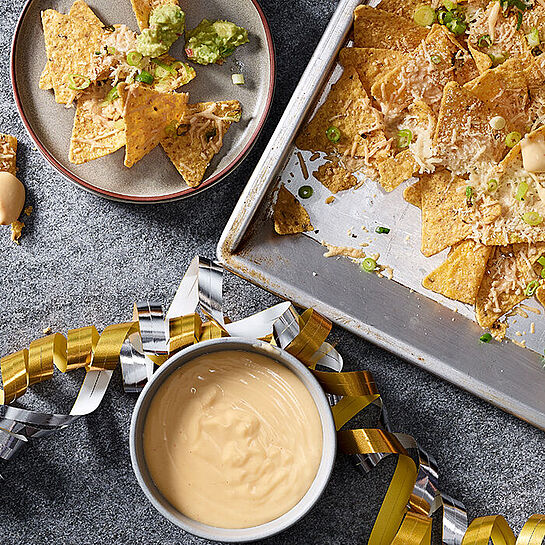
(509, 271)
(290, 217)
(99, 128)
(379, 29)
(143, 8)
(403, 9)
(8, 153)
(482, 60)
(412, 194)
(445, 211)
(199, 137)
(370, 63)
(182, 74)
(460, 276)
(147, 115)
(540, 294)
(335, 177)
(349, 109)
(393, 171)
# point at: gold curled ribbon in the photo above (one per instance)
(314, 330)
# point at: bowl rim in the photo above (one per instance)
(135, 199)
(229, 535)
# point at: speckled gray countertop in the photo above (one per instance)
(84, 261)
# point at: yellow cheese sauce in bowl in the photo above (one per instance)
(233, 440)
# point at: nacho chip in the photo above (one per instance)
(79, 9)
(348, 108)
(460, 276)
(413, 195)
(403, 9)
(540, 294)
(99, 128)
(482, 60)
(143, 8)
(147, 115)
(395, 170)
(70, 46)
(335, 177)
(370, 63)
(509, 271)
(445, 211)
(376, 28)
(8, 153)
(165, 80)
(199, 137)
(290, 217)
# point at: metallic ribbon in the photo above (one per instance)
(195, 315)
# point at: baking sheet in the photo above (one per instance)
(398, 315)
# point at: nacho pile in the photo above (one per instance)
(451, 96)
(125, 99)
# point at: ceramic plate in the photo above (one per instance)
(154, 178)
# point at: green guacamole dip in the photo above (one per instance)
(166, 25)
(211, 42)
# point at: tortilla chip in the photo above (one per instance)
(192, 151)
(93, 136)
(165, 83)
(348, 108)
(335, 177)
(540, 294)
(376, 28)
(498, 330)
(8, 151)
(403, 9)
(143, 8)
(463, 134)
(79, 9)
(393, 171)
(482, 60)
(70, 46)
(413, 194)
(147, 115)
(370, 63)
(510, 269)
(445, 211)
(290, 217)
(460, 276)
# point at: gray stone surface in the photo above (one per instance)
(84, 261)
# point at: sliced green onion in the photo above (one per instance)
(497, 59)
(444, 17)
(450, 5)
(305, 192)
(404, 138)
(98, 52)
(541, 260)
(72, 84)
(382, 230)
(497, 122)
(436, 59)
(531, 288)
(424, 15)
(163, 65)
(533, 37)
(111, 50)
(368, 264)
(171, 129)
(134, 58)
(469, 195)
(492, 185)
(512, 139)
(532, 218)
(333, 134)
(144, 77)
(457, 27)
(522, 188)
(486, 338)
(237, 79)
(111, 96)
(484, 41)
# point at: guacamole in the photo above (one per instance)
(211, 42)
(166, 25)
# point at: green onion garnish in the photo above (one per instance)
(543, 272)
(519, 20)
(486, 338)
(404, 138)
(144, 77)
(492, 185)
(533, 37)
(436, 59)
(512, 139)
(134, 58)
(171, 128)
(444, 17)
(163, 65)
(450, 5)
(484, 41)
(333, 134)
(424, 15)
(111, 96)
(111, 50)
(382, 230)
(457, 27)
(72, 84)
(237, 79)
(469, 195)
(522, 188)
(531, 288)
(541, 260)
(368, 264)
(305, 192)
(532, 218)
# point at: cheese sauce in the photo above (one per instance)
(233, 439)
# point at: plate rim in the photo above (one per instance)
(177, 195)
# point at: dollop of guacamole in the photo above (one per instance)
(211, 42)
(166, 25)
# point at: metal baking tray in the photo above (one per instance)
(388, 313)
